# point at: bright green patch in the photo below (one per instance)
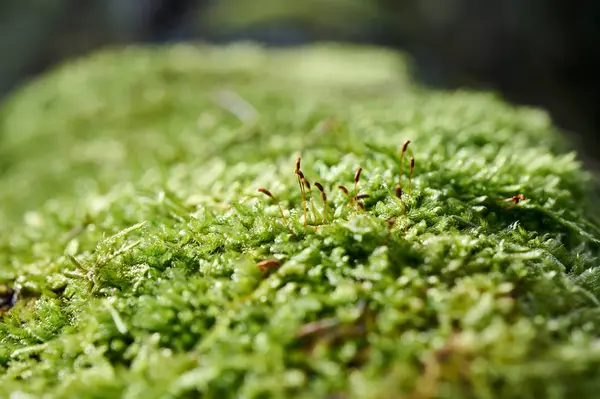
(132, 229)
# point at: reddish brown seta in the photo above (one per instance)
(324, 198)
(270, 195)
(404, 148)
(345, 190)
(412, 168)
(300, 175)
(312, 203)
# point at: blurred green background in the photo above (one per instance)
(535, 52)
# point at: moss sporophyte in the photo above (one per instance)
(304, 184)
(374, 267)
(354, 200)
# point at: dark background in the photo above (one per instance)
(534, 52)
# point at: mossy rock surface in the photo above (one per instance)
(132, 229)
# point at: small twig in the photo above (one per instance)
(268, 264)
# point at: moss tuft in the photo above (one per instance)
(133, 234)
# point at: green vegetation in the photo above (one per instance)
(132, 230)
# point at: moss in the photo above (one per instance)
(132, 229)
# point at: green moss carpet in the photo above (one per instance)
(138, 259)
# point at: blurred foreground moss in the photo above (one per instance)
(132, 228)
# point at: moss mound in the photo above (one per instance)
(133, 230)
